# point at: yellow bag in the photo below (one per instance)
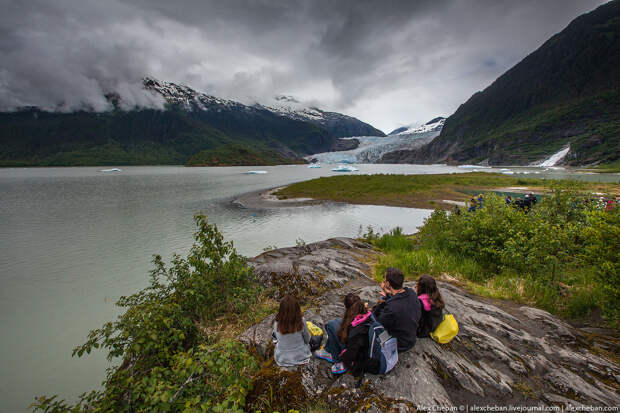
(316, 336)
(314, 329)
(446, 330)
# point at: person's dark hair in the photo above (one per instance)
(349, 299)
(289, 315)
(395, 277)
(427, 285)
(355, 308)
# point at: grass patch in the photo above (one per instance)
(421, 191)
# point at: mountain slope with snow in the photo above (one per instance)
(337, 124)
(434, 125)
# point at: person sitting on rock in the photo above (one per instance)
(291, 334)
(432, 305)
(354, 333)
(399, 310)
(334, 346)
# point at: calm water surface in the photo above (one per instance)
(73, 240)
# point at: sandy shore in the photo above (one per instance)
(267, 199)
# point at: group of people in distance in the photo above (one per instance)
(475, 203)
(525, 204)
(405, 313)
(528, 201)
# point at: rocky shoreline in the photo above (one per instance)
(505, 353)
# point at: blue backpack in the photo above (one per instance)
(383, 347)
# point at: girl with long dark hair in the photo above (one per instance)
(354, 333)
(347, 339)
(291, 334)
(333, 345)
(432, 305)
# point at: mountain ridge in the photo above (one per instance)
(566, 92)
(190, 125)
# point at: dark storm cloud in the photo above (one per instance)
(387, 62)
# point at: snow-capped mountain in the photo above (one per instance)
(372, 148)
(434, 125)
(292, 108)
(337, 124)
(186, 97)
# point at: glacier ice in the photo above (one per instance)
(372, 148)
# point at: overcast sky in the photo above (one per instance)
(389, 63)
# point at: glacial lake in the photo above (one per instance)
(73, 240)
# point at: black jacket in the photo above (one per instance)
(429, 321)
(357, 353)
(400, 314)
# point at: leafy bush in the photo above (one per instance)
(564, 254)
(167, 361)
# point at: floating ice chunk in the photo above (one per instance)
(343, 168)
(111, 170)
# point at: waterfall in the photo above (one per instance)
(555, 158)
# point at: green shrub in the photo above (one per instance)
(564, 254)
(167, 361)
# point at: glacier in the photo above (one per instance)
(372, 148)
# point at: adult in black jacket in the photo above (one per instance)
(432, 305)
(399, 311)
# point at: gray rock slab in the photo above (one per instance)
(503, 354)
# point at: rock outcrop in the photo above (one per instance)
(308, 270)
(345, 144)
(505, 354)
